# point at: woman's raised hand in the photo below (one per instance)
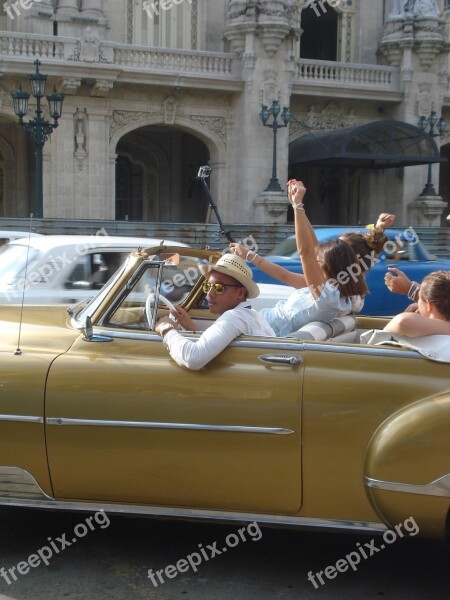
(296, 192)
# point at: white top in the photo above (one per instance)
(301, 308)
(195, 354)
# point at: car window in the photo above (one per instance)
(287, 247)
(13, 260)
(93, 270)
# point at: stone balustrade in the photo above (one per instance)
(124, 56)
(212, 64)
(337, 74)
(166, 59)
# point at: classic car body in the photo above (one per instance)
(412, 258)
(96, 415)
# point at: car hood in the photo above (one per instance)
(43, 328)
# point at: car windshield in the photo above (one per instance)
(177, 280)
(13, 260)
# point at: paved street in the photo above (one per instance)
(111, 561)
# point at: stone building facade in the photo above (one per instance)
(155, 89)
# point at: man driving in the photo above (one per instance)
(229, 285)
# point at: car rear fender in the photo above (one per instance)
(407, 466)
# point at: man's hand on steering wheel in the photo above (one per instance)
(182, 318)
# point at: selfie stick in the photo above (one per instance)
(203, 174)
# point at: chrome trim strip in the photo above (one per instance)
(38, 499)
(268, 343)
(21, 419)
(438, 487)
(18, 483)
(156, 425)
(271, 344)
(361, 350)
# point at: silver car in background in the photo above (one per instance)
(63, 269)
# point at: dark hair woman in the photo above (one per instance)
(328, 287)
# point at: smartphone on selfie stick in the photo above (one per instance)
(203, 174)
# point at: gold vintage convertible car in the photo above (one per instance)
(288, 431)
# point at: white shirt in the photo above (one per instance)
(195, 354)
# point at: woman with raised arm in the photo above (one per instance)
(328, 287)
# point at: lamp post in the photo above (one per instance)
(431, 122)
(274, 111)
(38, 128)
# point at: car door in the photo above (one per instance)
(126, 424)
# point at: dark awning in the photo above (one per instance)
(378, 145)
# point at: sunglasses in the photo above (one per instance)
(219, 288)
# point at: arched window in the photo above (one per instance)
(176, 26)
(319, 39)
(328, 32)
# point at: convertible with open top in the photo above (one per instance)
(319, 431)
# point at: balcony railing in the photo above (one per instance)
(124, 56)
(166, 59)
(216, 65)
(352, 75)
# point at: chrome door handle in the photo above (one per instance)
(281, 359)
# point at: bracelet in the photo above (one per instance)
(413, 290)
(299, 206)
(251, 259)
(165, 328)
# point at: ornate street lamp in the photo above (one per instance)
(38, 128)
(431, 122)
(274, 111)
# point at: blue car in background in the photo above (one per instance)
(405, 251)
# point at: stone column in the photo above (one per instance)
(416, 41)
(40, 18)
(92, 8)
(66, 9)
(263, 36)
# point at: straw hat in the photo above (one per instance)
(236, 267)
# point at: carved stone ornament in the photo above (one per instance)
(272, 20)
(424, 100)
(270, 89)
(121, 119)
(170, 110)
(101, 88)
(70, 86)
(80, 136)
(89, 49)
(217, 125)
(332, 116)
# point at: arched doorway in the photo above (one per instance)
(17, 170)
(319, 40)
(156, 171)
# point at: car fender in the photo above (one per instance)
(407, 466)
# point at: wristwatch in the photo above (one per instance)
(165, 328)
